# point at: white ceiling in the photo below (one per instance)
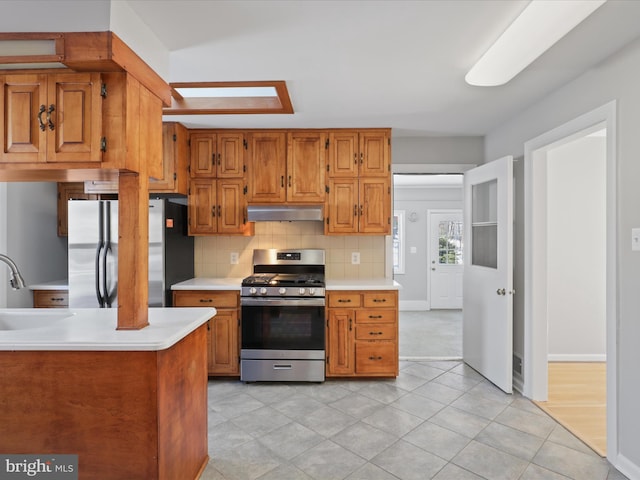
(397, 64)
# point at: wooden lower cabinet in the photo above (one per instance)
(362, 333)
(223, 330)
(50, 299)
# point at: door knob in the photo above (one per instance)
(501, 291)
(433, 268)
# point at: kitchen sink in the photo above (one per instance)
(27, 319)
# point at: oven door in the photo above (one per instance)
(279, 324)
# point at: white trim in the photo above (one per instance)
(625, 466)
(414, 305)
(536, 341)
(4, 284)
(577, 357)
(431, 167)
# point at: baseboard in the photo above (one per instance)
(578, 357)
(626, 467)
(413, 305)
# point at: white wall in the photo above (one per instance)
(576, 261)
(615, 79)
(437, 150)
(32, 239)
(59, 16)
(414, 293)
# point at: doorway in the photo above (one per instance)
(446, 267)
(538, 243)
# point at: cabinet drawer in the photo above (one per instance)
(50, 299)
(376, 315)
(344, 299)
(372, 331)
(376, 358)
(206, 298)
(386, 299)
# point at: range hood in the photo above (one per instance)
(284, 213)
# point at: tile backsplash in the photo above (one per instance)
(213, 254)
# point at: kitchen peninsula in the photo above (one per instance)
(130, 403)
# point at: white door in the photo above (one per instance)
(446, 259)
(487, 332)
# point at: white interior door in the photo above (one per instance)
(446, 259)
(487, 332)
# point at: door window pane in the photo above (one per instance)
(484, 225)
(450, 243)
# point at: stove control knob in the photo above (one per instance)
(253, 290)
(282, 290)
(312, 291)
(301, 291)
(263, 291)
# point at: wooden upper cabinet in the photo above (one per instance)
(218, 154)
(355, 153)
(342, 206)
(266, 167)
(375, 206)
(203, 162)
(202, 207)
(175, 155)
(306, 160)
(218, 206)
(51, 118)
(374, 153)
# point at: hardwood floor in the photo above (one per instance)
(577, 400)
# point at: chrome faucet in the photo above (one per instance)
(16, 279)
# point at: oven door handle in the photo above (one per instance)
(281, 302)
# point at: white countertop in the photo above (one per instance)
(95, 329)
(208, 283)
(53, 285)
(211, 283)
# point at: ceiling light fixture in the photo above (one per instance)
(536, 29)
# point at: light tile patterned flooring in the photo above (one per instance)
(436, 334)
(438, 420)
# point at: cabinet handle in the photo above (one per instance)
(375, 316)
(344, 300)
(350, 322)
(355, 158)
(213, 159)
(361, 210)
(379, 300)
(49, 112)
(218, 159)
(40, 112)
(206, 300)
(282, 181)
(213, 211)
(219, 211)
(361, 158)
(375, 358)
(56, 299)
(375, 333)
(289, 181)
(355, 210)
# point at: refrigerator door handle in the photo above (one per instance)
(107, 250)
(99, 249)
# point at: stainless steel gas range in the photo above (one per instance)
(283, 317)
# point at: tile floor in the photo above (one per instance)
(438, 420)
(436, 334)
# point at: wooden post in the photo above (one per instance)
(133, 251)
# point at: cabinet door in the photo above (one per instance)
(266, 164)
(74, 114)
(202, 207)
(203, 157)
(342, 206)
(340, 341)
(230, 154)
(343, 154)
(22, 97)
(374, 153)
(375, 206)
(306, 163)
(175, 160)
(230, 206)
(223, 343)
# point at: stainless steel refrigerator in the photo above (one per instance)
(93, 251)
